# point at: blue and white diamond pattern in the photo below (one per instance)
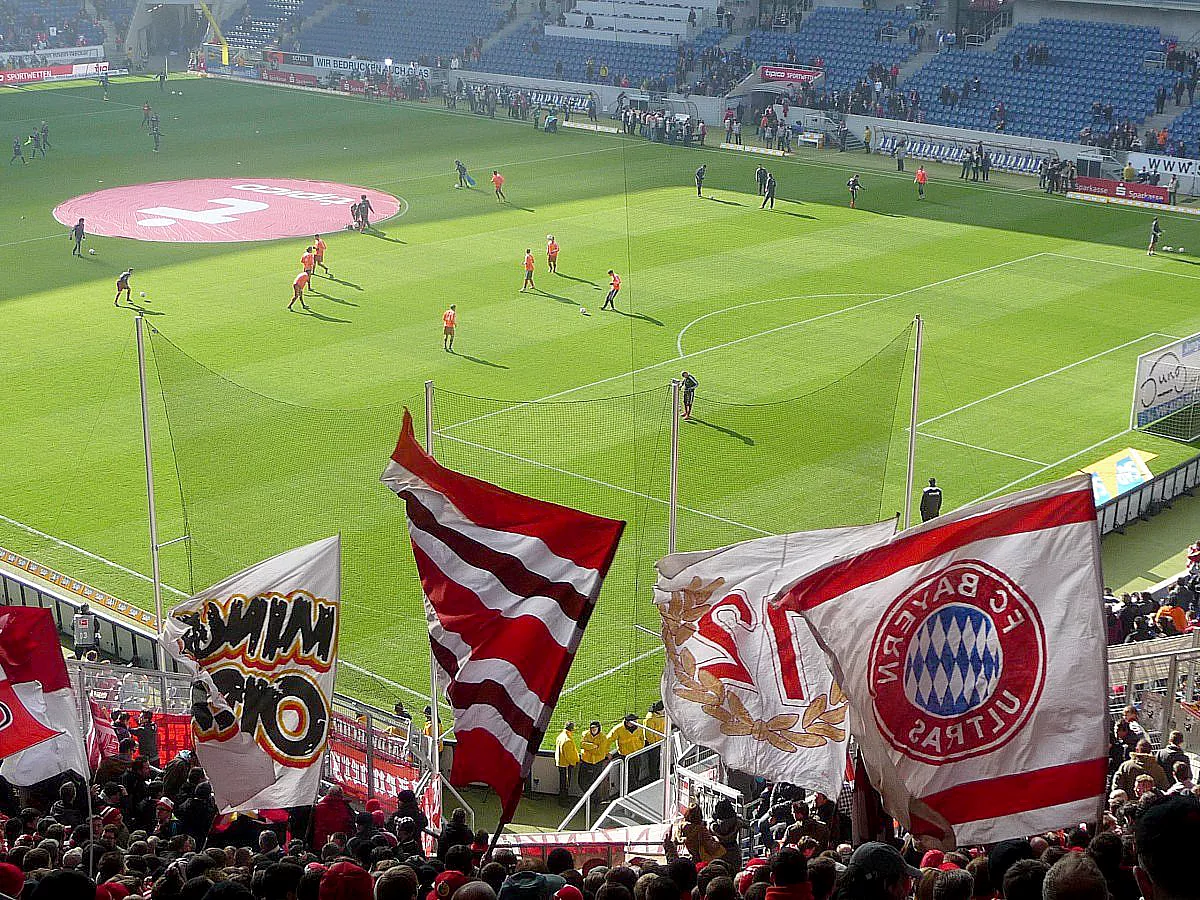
(954, 661)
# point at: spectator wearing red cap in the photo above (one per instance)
(346, 881)
(12, 880)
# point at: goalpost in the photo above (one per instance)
(1166, 391)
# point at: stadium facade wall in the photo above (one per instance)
(710, 109)
(1178, 17)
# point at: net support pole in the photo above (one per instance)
(155, 576)
(909, 475)
(435, 757)
(667, 762)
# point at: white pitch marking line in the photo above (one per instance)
(1037, 378)
(749, 337)
(1105, 262)
(550, 468)
(938, 437)
(611, 671)
(717, 312)
(87, 553)
(1015, 482)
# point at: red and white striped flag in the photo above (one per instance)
(510, 583)
(972, 649)
(101, 736)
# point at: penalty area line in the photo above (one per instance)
(1048, 466)
(749, 337)
(938, 437)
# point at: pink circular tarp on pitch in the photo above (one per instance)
(208, 210)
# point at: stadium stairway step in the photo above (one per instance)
(915, 62)
(1170, 114)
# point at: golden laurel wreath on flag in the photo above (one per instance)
(820, 723)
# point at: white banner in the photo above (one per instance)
(972, 649)
(746, 678)
(263, 645)
(368, 67)
(1187, 170)
(1161, 385)
(59, 55)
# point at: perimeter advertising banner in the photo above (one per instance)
(790, 74)
(56, 56)
(53, 73)
(1125, 190)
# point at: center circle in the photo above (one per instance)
(953, 662)
(221, 210)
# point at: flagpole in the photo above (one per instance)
(156, 579)
(666, 763)
(912, 423)
(435, 757)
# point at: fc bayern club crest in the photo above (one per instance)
(957, 664)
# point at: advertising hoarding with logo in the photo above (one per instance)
(1161, 385)
(1125, 190)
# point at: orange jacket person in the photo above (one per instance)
(298, 287)
(319, 248)
(498, 184)
(613, 291)
(308, 261)
(552, 253)
(921, 179)
(449, 323)
(528, 270)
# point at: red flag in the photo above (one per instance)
(101, 737)
(29, 664)
(510, 583)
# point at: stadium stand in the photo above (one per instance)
(379, 29)
(527, 51)
(269, 22)
(1184, 134)
(847, 42)
(25, 25)
(1084, 68)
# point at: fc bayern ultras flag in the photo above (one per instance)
(745, 677)
(510, 583)
(262, 649)
(972, 649)
(40, 732)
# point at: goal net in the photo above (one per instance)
(1166, 396)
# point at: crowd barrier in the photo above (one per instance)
(953, 152)
(1150, 498)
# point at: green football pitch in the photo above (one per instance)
(272, 427)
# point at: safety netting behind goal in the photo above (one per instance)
(1175, 410)
(257, 475)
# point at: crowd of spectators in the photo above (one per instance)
(52, 26)
(720, 69)
(155, 835)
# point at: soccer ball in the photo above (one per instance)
(583, 310)
(1178, 249)
(92, 251)
(142, 294)
(1169, 249)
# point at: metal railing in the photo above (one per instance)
(1150, 498)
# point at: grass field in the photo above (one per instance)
(795, 322)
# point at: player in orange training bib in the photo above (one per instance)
(308, 261)
(498, 184)
(552, 253)
(319, 248)
(298, 287)
(613, 291)
(528, 283)
(449, 323)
